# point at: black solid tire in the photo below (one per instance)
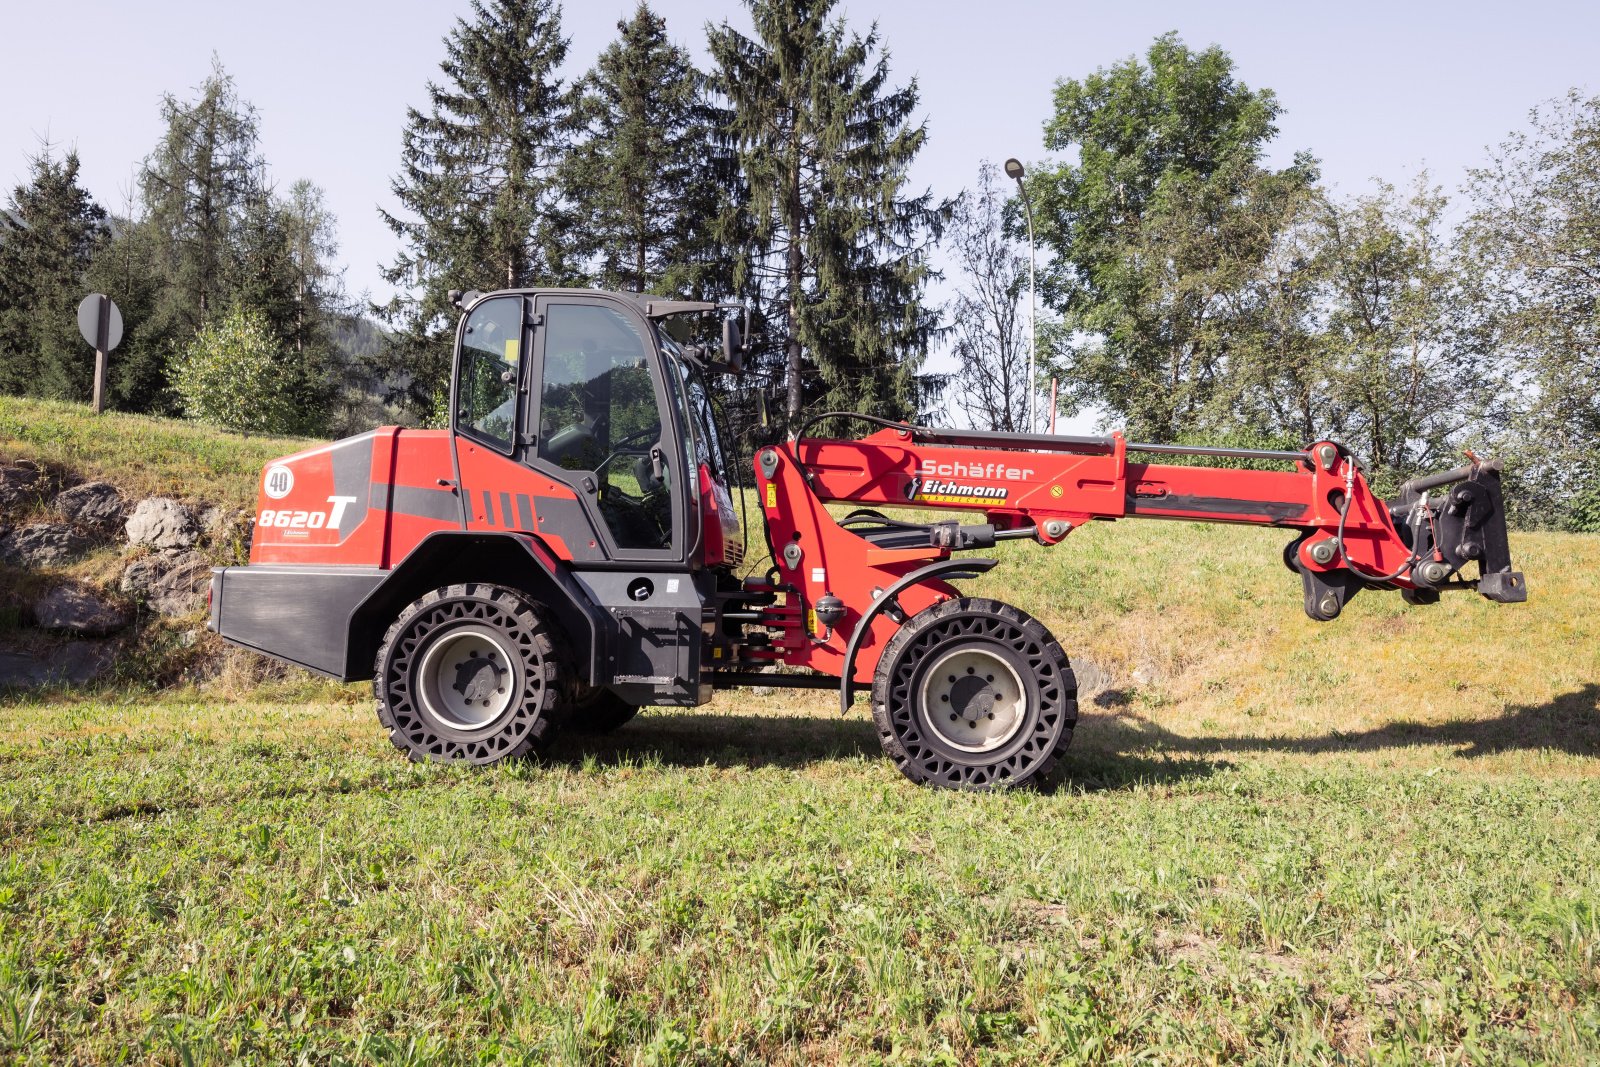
(514, 620)
(1049, 696)
(597, 711)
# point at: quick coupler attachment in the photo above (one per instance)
(1466, 523)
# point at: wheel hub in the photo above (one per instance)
(973, 699)
(465, 678)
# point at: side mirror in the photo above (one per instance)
(732, 345)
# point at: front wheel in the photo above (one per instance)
(974, 694)
(468, 674)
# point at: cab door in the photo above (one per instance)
(602, 424)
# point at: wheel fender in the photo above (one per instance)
(451, 556)
(947, 569)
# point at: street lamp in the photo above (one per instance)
(1014, 172)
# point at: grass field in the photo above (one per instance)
(1274, 841)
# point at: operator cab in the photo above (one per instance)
(611, 401)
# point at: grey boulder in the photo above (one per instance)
(75, 610)
(163, 524)
(21, 482)
(73, 663)
(93, 504)
(42, 544)
(170, 585)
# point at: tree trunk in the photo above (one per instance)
(795, 268)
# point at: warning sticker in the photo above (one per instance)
(772, 495)
(513, 349)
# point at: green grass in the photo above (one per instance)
(143, 456)
(1275, 841)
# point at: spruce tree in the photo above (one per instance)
(49, 234)
(836, 250)
(647, 181)
(478, 190)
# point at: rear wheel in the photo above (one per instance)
(468, 674)
(974, 694)
(597, 710)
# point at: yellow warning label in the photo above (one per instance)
(811, 620)
(772, 495)
(1056, 491)
(954, 498)
(513, 349)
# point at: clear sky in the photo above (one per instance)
(1373, 89)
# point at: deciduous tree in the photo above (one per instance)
(1533, 237)
(1157, 227)
(988, 329)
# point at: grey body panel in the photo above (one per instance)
(297, 614)
(655, 644)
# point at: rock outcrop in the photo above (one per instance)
(73, 609)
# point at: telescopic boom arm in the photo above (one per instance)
(1042, 487)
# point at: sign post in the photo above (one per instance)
(101, 325)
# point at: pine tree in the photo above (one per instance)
(837, 248)
(478, 185)
(48, 237)
(283, 275)
(647, 181)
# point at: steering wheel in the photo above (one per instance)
(621, 446)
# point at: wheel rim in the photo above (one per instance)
(973, 700)
(467, 678)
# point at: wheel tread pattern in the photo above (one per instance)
(529, 725)
(1030, 762)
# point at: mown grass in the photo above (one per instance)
(143, 456)
(1274, 842)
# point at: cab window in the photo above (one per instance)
(491, 356)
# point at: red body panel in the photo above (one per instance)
(503, 495)
(365, 501)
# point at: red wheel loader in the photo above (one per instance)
(569, 549)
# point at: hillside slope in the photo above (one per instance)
(1194, 626)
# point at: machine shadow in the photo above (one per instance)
(1569, 723)
(722, 740)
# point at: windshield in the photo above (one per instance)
(704, 443)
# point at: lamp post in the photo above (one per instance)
(1014, 172)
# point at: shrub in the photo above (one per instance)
(236, 375)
